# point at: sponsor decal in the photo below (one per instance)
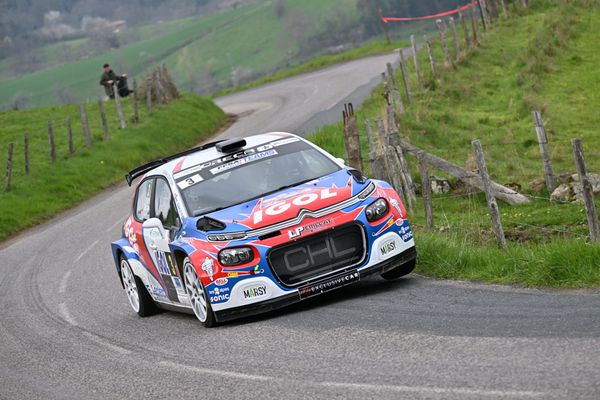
(387, 247)
(389, 223)
(405, 233)
(241, 161)
(156, 291)
(217, 294)
(255, 291)
(310, 228)
(208, 267)
(396, 205)
(298, 201)
(329, 284)
(191, 181)
(233, 274)
(221, 281)
(178, 285)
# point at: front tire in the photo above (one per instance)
(401, 270)
(197, 294)
(138, 296)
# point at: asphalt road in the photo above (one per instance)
(67, 330)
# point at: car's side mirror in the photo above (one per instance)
(154, 233)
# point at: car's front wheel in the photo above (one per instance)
(138, 296)
(197, 295)
(400, 270)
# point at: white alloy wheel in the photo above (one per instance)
(130, 286)
(195, 291)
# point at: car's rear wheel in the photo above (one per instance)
(138, 296)
(197, 295)
(401, 270)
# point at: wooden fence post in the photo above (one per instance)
(481, 7)
(119, 109)
(493, 10)
(375, 158)
(149, 98)
(455, 36)
(405, 77)
(351, 137)
(9, 166)
(157, 87)
(491, 200)
(70, 136)
(426, 190)
(465, 28)
(442, 30)
(51, 140)
(103, 117)
(136, 116)
(396, 99)
(415, 50)
(86, 129)
(474, 26)
(392, 139)
(26, 149)
(430, 53)
(543, 142)
(588, 193)
(391, 166)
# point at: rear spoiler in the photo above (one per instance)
(142, 169)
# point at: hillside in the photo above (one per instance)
(205, 53)
(53, 187)
(545, 59)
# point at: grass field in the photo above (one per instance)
(249, 39)
(545, 59)
(50, 189)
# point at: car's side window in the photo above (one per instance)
(164, 206)
(143, 200)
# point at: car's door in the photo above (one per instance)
(158, 232)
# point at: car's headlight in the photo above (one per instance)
(377, 210)
(236, 256)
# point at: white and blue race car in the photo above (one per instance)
(243, 226)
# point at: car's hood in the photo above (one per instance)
(287, 204)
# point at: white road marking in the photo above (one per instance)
(63, 282)
(436, 390)
(105, 343)
(364, 386)
(206, 371)
(83, 253)
(65, 314)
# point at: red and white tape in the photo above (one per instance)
(442, 14)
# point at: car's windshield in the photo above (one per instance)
(234, 179)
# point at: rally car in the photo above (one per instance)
(242, 226)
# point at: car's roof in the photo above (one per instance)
(211, 153)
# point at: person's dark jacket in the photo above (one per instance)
(108, 88)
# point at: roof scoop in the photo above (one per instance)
(230, 145)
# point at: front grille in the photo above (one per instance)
(317, 255)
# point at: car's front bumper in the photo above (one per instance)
(323, 285)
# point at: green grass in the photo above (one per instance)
(50, 189)
(316, 63)
(81, 78)
(544, 59)
(249, 38)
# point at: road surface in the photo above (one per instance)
(67, 330)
